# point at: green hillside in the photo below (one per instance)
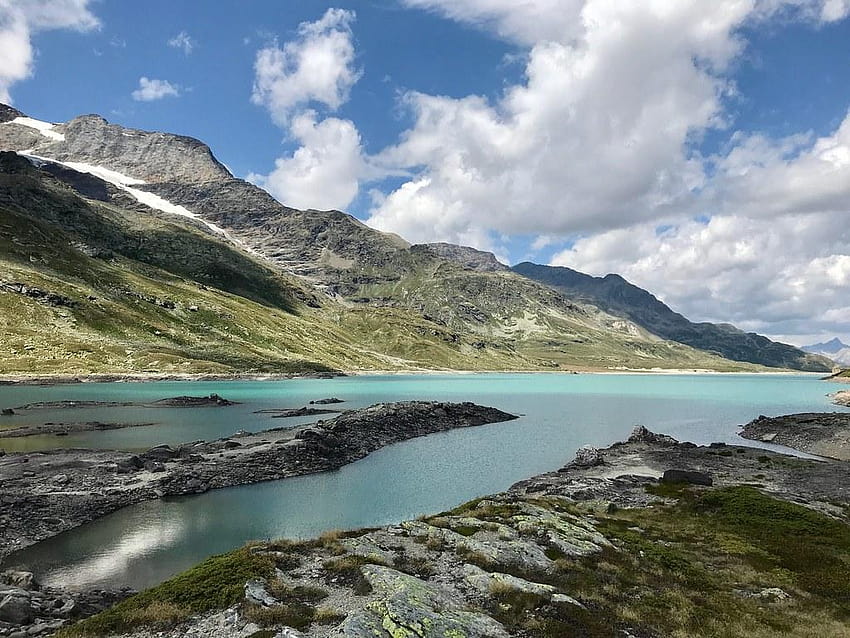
(101, 284)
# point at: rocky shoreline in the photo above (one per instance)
(43, 494)
(596, 548)
(822, 433)
(64, 429)
(140, 377)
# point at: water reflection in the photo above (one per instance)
(118, 557)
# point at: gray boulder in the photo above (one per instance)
(16, 609)
(255, 593)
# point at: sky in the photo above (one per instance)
(699, 149)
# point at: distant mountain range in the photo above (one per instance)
(124, 251)
(617, 296)
(833, 349)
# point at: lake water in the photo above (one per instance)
(144, 544)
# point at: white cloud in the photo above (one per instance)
(782, 276)
(150, 90)
(183, 41)
(525, 22)
(20, 19)
(324, 172)
(318, 66)
(596, 134)
(599, 142)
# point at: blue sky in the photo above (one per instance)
(398, 49)
(600, 134)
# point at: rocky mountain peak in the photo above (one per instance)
(147, 155)
(468, 257)
(151, 156)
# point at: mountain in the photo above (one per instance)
(620, 298)
(467, 257)
(833, 349)
(156, 258)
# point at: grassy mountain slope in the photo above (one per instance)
(100, 283)
(372, 300)
(617, 296)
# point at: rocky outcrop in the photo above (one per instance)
(519, 563)
(646, 457)
(212, 400)
(825, 434)
(27, 609)
(62, 429)
(42, 494)
(7, 113)
(467, 257)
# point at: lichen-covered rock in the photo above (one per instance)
(486, 582)
(367, 547)
(507, 550)
(408, 607)
(569, 534)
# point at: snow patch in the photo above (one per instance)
(126, 183)
(107, 175)
(45, 128)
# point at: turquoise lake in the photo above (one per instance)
(146, 543)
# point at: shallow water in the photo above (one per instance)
(147, 543)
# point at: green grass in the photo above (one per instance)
(689, 569)
(216, 583)
(814, 547)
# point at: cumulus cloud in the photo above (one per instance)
(20, 19)
(318, 66)
(600, 142)
(776, 257)
(787, 276)
(326, 169)
(183, 41)
(596, 134)
(151, 89)
(317, 69)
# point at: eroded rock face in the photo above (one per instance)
(149, 156)
(467, 257)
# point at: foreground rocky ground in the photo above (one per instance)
(649, 537)
(42, 494)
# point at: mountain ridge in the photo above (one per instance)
(616, 295)
(834, 349)
(419, 306)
